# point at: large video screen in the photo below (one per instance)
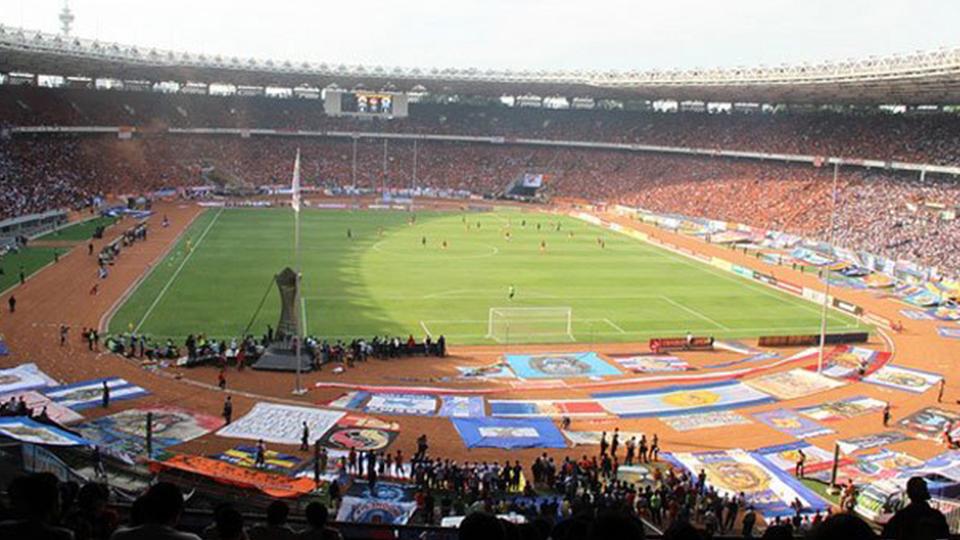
(369, 103)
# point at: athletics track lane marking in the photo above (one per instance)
(693, 312)
(183, 263)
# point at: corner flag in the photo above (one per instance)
(295, 202)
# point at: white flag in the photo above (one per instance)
(295, 203)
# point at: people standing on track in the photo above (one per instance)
(227, 411)
(261, 458)
(64, 331)
(801, 461)
(886, 414)
(305, 438)
(105, 395)
(943, 386)
(222, 379)
(615, 442)
(12, 301)
(654, 448)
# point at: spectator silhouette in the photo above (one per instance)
(162, 506)
(35, 506)
(917, 520)
(276, 527)
(481, 526)
(317, 516)
(843, 526)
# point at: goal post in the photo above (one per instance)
(530, 324)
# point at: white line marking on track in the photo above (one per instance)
(176, 273)
(693, 312)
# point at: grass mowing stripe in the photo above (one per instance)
(176, 273)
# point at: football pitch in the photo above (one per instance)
(384, 273)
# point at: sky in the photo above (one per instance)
(513, 34)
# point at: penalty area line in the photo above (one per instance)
(693, 312)
(183, 263)
(615, 326)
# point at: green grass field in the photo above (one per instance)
(79, 231)
(384, 281)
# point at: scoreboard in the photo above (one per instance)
(363, 103)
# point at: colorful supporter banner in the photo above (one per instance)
(674, 400)
(651, 363)
(87, 394)
(791, 423)
(768, 489)
(714, 419)
(509, 433)
(274, 462)
(350, 400)
(495, 371)
(4, 350)
(866, 442)
(559, 365)
(793, 384)
(786, 456)
(358, 438)
(415, 404)
(23, 429)
(38, 402)
(24, 377)
(592, 438)
(123, 435)
(946, 332)
(930, 422)
(384, 491)
(901, 378)
(843, 409)
(758, 357)
(357, 510)
(281, 424)
(274, 485)
(869, 468)
(535, 408)
(845, 361)
(917, 315)
(461, 406)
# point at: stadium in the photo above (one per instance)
(643, 303)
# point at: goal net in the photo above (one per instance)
(530, 324)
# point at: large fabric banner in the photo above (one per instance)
(359, 510)
(560, 365)
(416, 404)
(592, 438)
(690, 422)
(281, 424)
(768, 489)
(274, 485)
(652, 364)
(83, 395)
(901, 378)
(841, 409)
(869, 468)
(29, 431)
(37, 403)
(845, 361)
(535, 408)
(509, 433)
(461, 406)
(273, 461)
(876, 440)
(24, 377)
(929, 423)
(674, 400)
(785, 456)
(123, 435)
(793, 384)
(791, 423)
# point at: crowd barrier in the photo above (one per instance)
(813, 339)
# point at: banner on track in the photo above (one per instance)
(652, 364)
(592, 438)
(538, 408)
(274, 462)
(842, 409)
(901, 378)
(947, 332)
(358, 510)
(358, 438)
(87, 394)
(844, 361)
(461, 406)
(674, 400)
(123, 435)
(714, 419)
(37, 402)
(791, 423)
(866, 442)
(24, 377)
(560, 365)
(793, 384)
(785, 456)
(282, 424)
(917, 315)
(768, 489)
(930, 422)
(509, 433)
(26, 430)
(495, 371)
(869, 468)
(415, 404)
(274, 485)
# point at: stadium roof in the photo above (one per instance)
(922, 78)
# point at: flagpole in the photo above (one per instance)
(826, 295)
(298, 389)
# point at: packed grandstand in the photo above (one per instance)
(791, 184)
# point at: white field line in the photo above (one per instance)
(176, 273)
(693, 312)
(425, 329)
(615, 326)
